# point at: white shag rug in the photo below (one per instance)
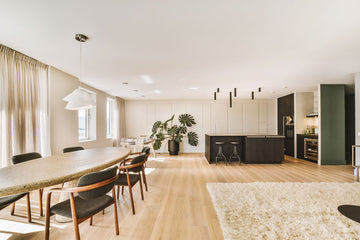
(285, 210)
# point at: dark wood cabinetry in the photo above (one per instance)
(285, 107)
(252, 148)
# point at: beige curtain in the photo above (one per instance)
(119, 121)
(24, 123)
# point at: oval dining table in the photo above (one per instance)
(62, 168)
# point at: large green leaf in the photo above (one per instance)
(178, 138)
(187, 120)
(173, 130)
(157, 144)
(156, 126)
(193, 138)
(182, 129)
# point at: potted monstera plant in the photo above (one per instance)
(174, 133)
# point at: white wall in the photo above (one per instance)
(64, 123)
(246, 116)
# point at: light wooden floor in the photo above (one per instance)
(177, 205)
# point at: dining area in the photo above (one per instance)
(83, 182)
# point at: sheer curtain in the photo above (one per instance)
(24, 113)
(119, 121)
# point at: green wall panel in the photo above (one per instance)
(332, 100)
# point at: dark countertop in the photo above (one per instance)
(243, 135)
(309, 135)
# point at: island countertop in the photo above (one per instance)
(243, 135)
(252, 148)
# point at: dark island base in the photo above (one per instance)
(253, 149)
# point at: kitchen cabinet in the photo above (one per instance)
(285, 106)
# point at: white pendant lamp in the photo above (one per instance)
(79, 98)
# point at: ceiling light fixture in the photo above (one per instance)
(214, 95)
(252, 95)
(230, 94)
(147, 79)
(259, 90)
(218, 90)
(79, 98)
(235, 92)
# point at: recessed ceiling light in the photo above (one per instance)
(135, 90)
(147, 79)
(157, 91)
(125, 83)
(142, 95)
(284, 86)
(194, 88)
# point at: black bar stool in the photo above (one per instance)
(235, 153)
(220, 156)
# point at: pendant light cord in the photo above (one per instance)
(80, 74)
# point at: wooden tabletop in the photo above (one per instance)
(49, 171)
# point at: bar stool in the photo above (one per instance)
(220, 154)
(234, 153)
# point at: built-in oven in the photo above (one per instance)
(311, 148)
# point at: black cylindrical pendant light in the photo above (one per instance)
(259, 89)
(230, 99)
(218, 89)
(252, 95)
(214, 95)
(234, 92)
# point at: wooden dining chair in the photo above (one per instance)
(7, 200)
(92, 198)
(72, 149)
(145, 150)
(128, 179)
(24, 158)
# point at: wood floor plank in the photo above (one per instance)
(177, 204)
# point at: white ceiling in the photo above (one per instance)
(180, 44)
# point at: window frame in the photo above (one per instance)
(87, 116)
(110, 107)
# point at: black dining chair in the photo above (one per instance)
(24, 158)
(92, 198)
(145, 150)
(72, 149)
(128, 179)
(7, 200)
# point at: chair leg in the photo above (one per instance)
(104, 209)
(74, 217)
(12, 208)
(141, 189)
(122, 190)
(118, 191)
(47, 217)
(115, 213)
(131, 199)
(91, 219)
(28, 206)
(40, 201)
(144, 178)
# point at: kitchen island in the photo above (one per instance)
(253, 148)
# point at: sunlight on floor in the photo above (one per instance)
(12, 226)
(157, 159)
(5, 236)
(149, 170)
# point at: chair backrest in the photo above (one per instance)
(25, 157)
(96, 177)
(72, 149)
(145, 150)
(137, 159)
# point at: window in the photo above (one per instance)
(109, 117)
(83, 116)
(87, 121)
